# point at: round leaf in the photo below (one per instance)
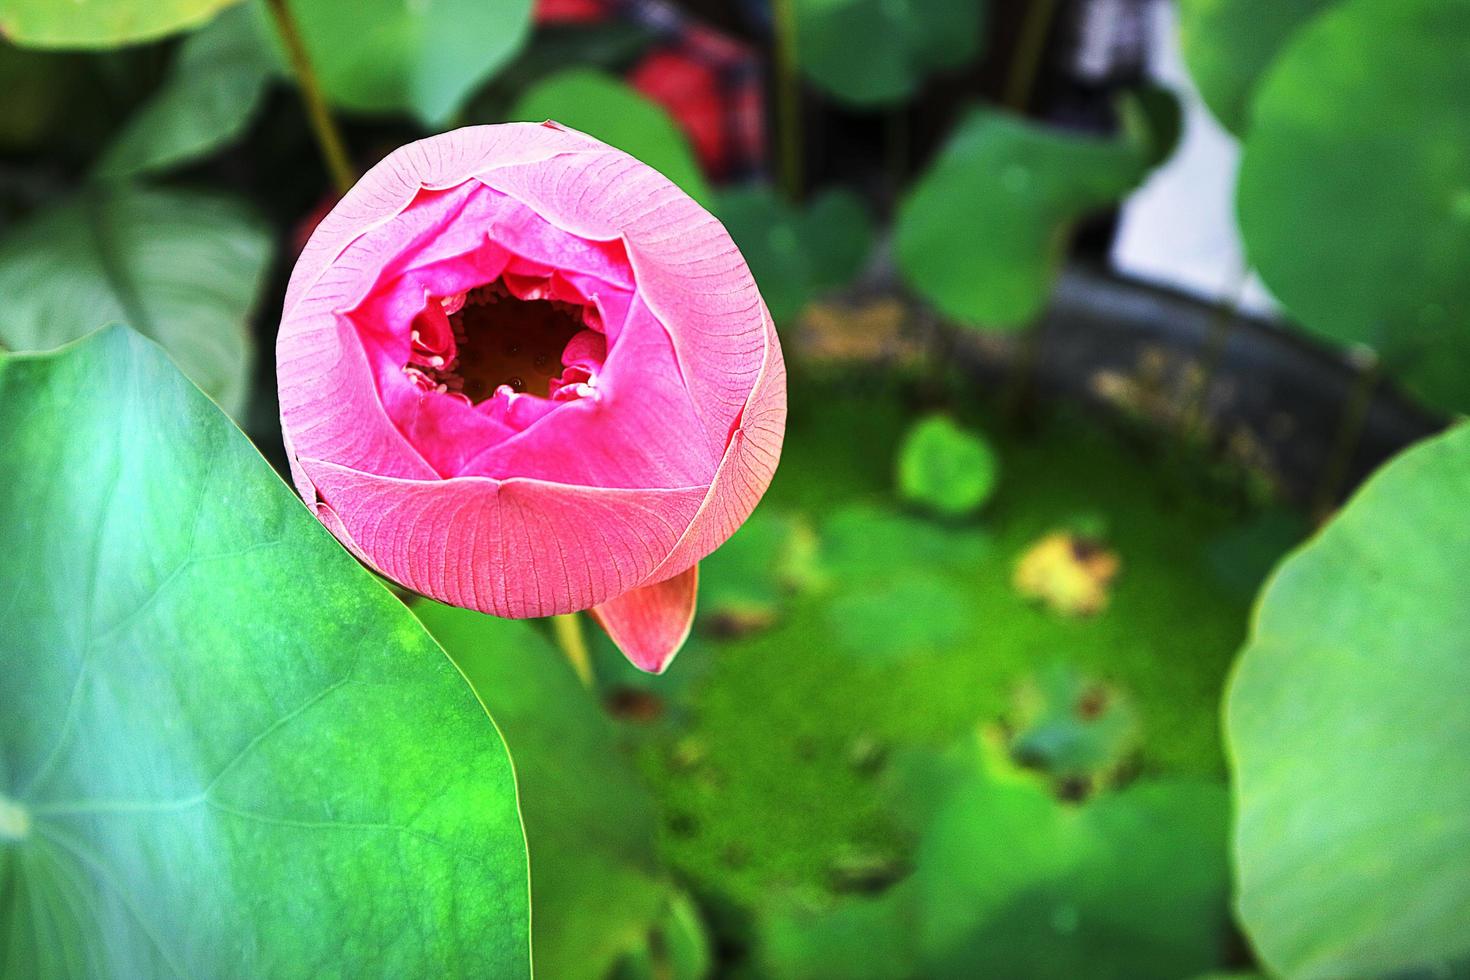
(1347, 721)
(590, 827)
(901, 42)
(1229, 44)
(1355, 186)
(228, 751)
(982, 234)
(182, 268)
(100, 23)
(424, 57)
(613, 112)
(945, 468)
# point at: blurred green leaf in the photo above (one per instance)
(880, 51)
(604, 107)
(745, 580)
(1347, 721)
(100, 23)
(595, 881)
(426, 57)
(38, 87)
(1355, 186)
(984, 231)
(183, 268)
(227, 750)
(1229, 45)
(216, 86)
(944, 468)
(1072, 726)
(677, 949)
(1009, 882)
(796, 254)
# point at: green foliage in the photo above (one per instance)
(874, 52)
(184, 268)
(1355, 186)
(596, 887)
(228, 751)
(944, 468)
(797, 253)
(1071, 726)
(1230, 44)
(425, 57)
(100, 23)
(1009, 881)
(216, 85)
(604, 107)
(1347, 721)
(983, 233)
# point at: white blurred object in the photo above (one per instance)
(1179, 228)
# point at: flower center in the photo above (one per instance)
(502, 340)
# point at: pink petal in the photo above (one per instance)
(649, 624)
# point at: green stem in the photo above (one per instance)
(1345, 444)
(328, 138)
(1026, 62)
(788, 97)
(568, 632)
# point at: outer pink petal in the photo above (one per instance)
(650, 624)
(514, 548)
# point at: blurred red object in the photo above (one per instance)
(710, 84)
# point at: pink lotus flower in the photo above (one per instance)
(523, 373)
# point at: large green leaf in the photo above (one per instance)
(227, 751)
(610, 110)
(1229, 45)
(1010, 882)
(100, 23)
(183, 268)
(880, 51)
(1355, 186)
(216, 86)
(425, 57)
(795, 254)
(983, 233)
(595, 881)
(1347, 722)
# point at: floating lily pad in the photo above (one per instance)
(945, 468)
(183, 268)
(1355, 186)
(228, 750)
(1347, 723)
(612, 111)
(983, 232)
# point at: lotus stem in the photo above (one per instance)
(1026, 64)
(323, 127)
(567, 629)
(1345, 444)
(788, 96)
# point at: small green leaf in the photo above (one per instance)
(425, 57)
(944, 468)
(871, 52)
(100, 23)
(1229, 45)
(797, 254)
(183, 268)
(595, 882)
(983, 233)
(610, 110)
(1355, 186)
(228, 751)
(215, 88)
(1347, 721)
